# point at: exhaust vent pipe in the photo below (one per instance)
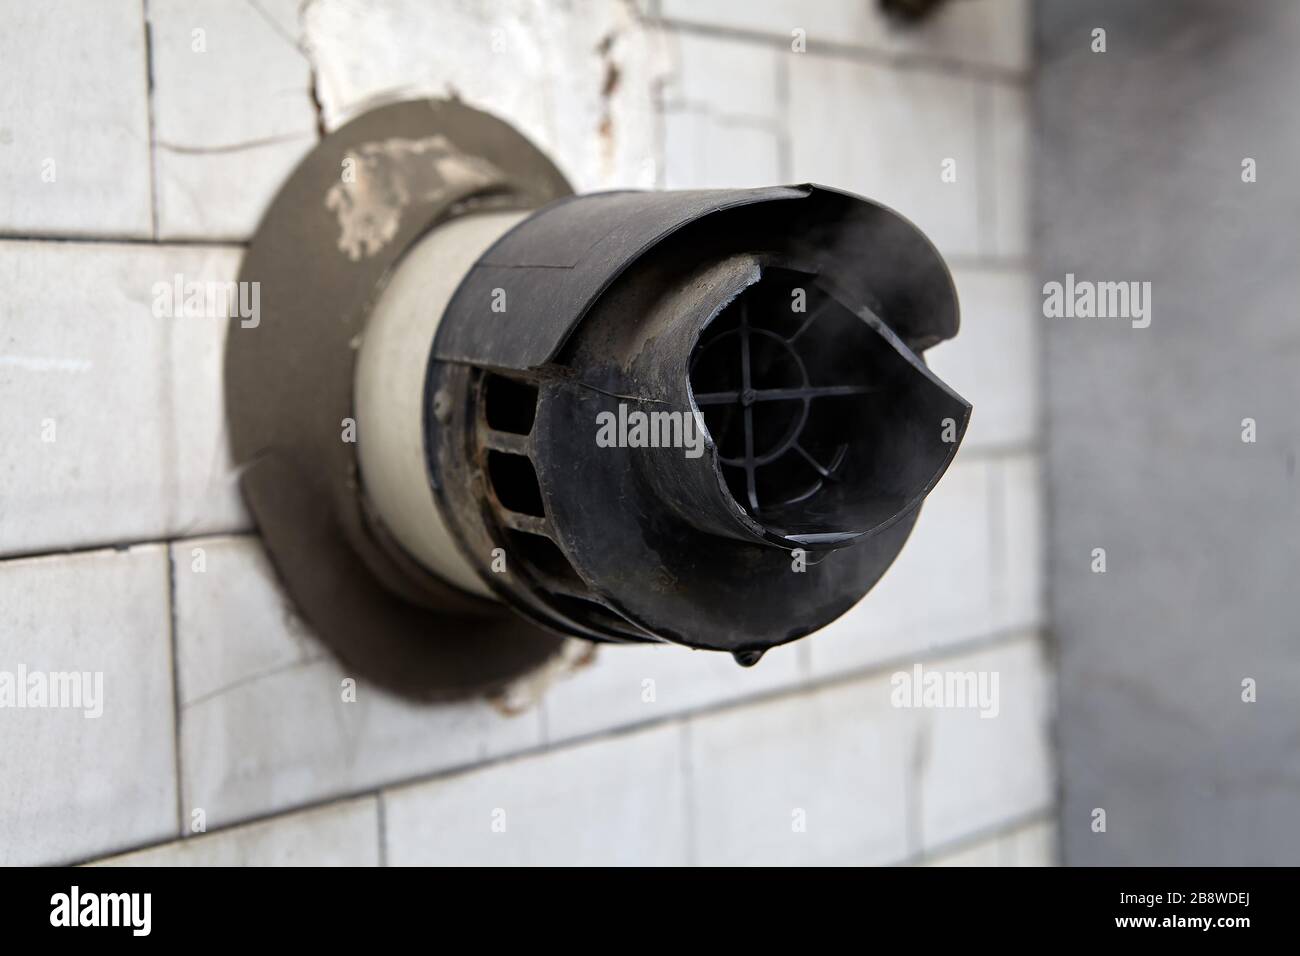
(690, 417)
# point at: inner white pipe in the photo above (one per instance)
(388, 391)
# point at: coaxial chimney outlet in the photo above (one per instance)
(480, 412)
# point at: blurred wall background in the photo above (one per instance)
(1171, 158)
(139, 140)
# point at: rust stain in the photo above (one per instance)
(526, 692)
(609, 86)
(612, 78)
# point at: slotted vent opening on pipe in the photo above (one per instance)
(509, 405)
(822, 426)
(515, 482)
(545, 556)
(484, 432)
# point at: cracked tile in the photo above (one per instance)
(233, 112)
(549, 75)
(264, 726)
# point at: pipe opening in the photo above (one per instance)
(824, 428)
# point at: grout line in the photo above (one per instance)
(986, 212)
(122, 545)
(726, 120)
(153, 136)
(937, 63)
(968, 455)
(995, 831)
(227, 828)
(1037, 121)
(123, 240)
(381, 813)
(998, 559)
(182, 830)
(1054, 741)
(993, 639)
(914, 786)
(687, 765)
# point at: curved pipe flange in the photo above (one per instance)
(322, 253)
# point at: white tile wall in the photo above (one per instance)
(706, 763)
(723, 119)
(1019, 589)
(245, 57)
(73, 786)
(736, 79)
(819, 778)
(939, 590)
(977, 772)
(264, 726)
(1009, 171)
(112, 418)
(991, 33)
(1030, 845)
(839, 775)
(985, 853)
(886, 133)
(341, 834)
(631, 685)
(580, 85)
(74, 119)
(993, 361)
(704, 151)
(612, 802)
